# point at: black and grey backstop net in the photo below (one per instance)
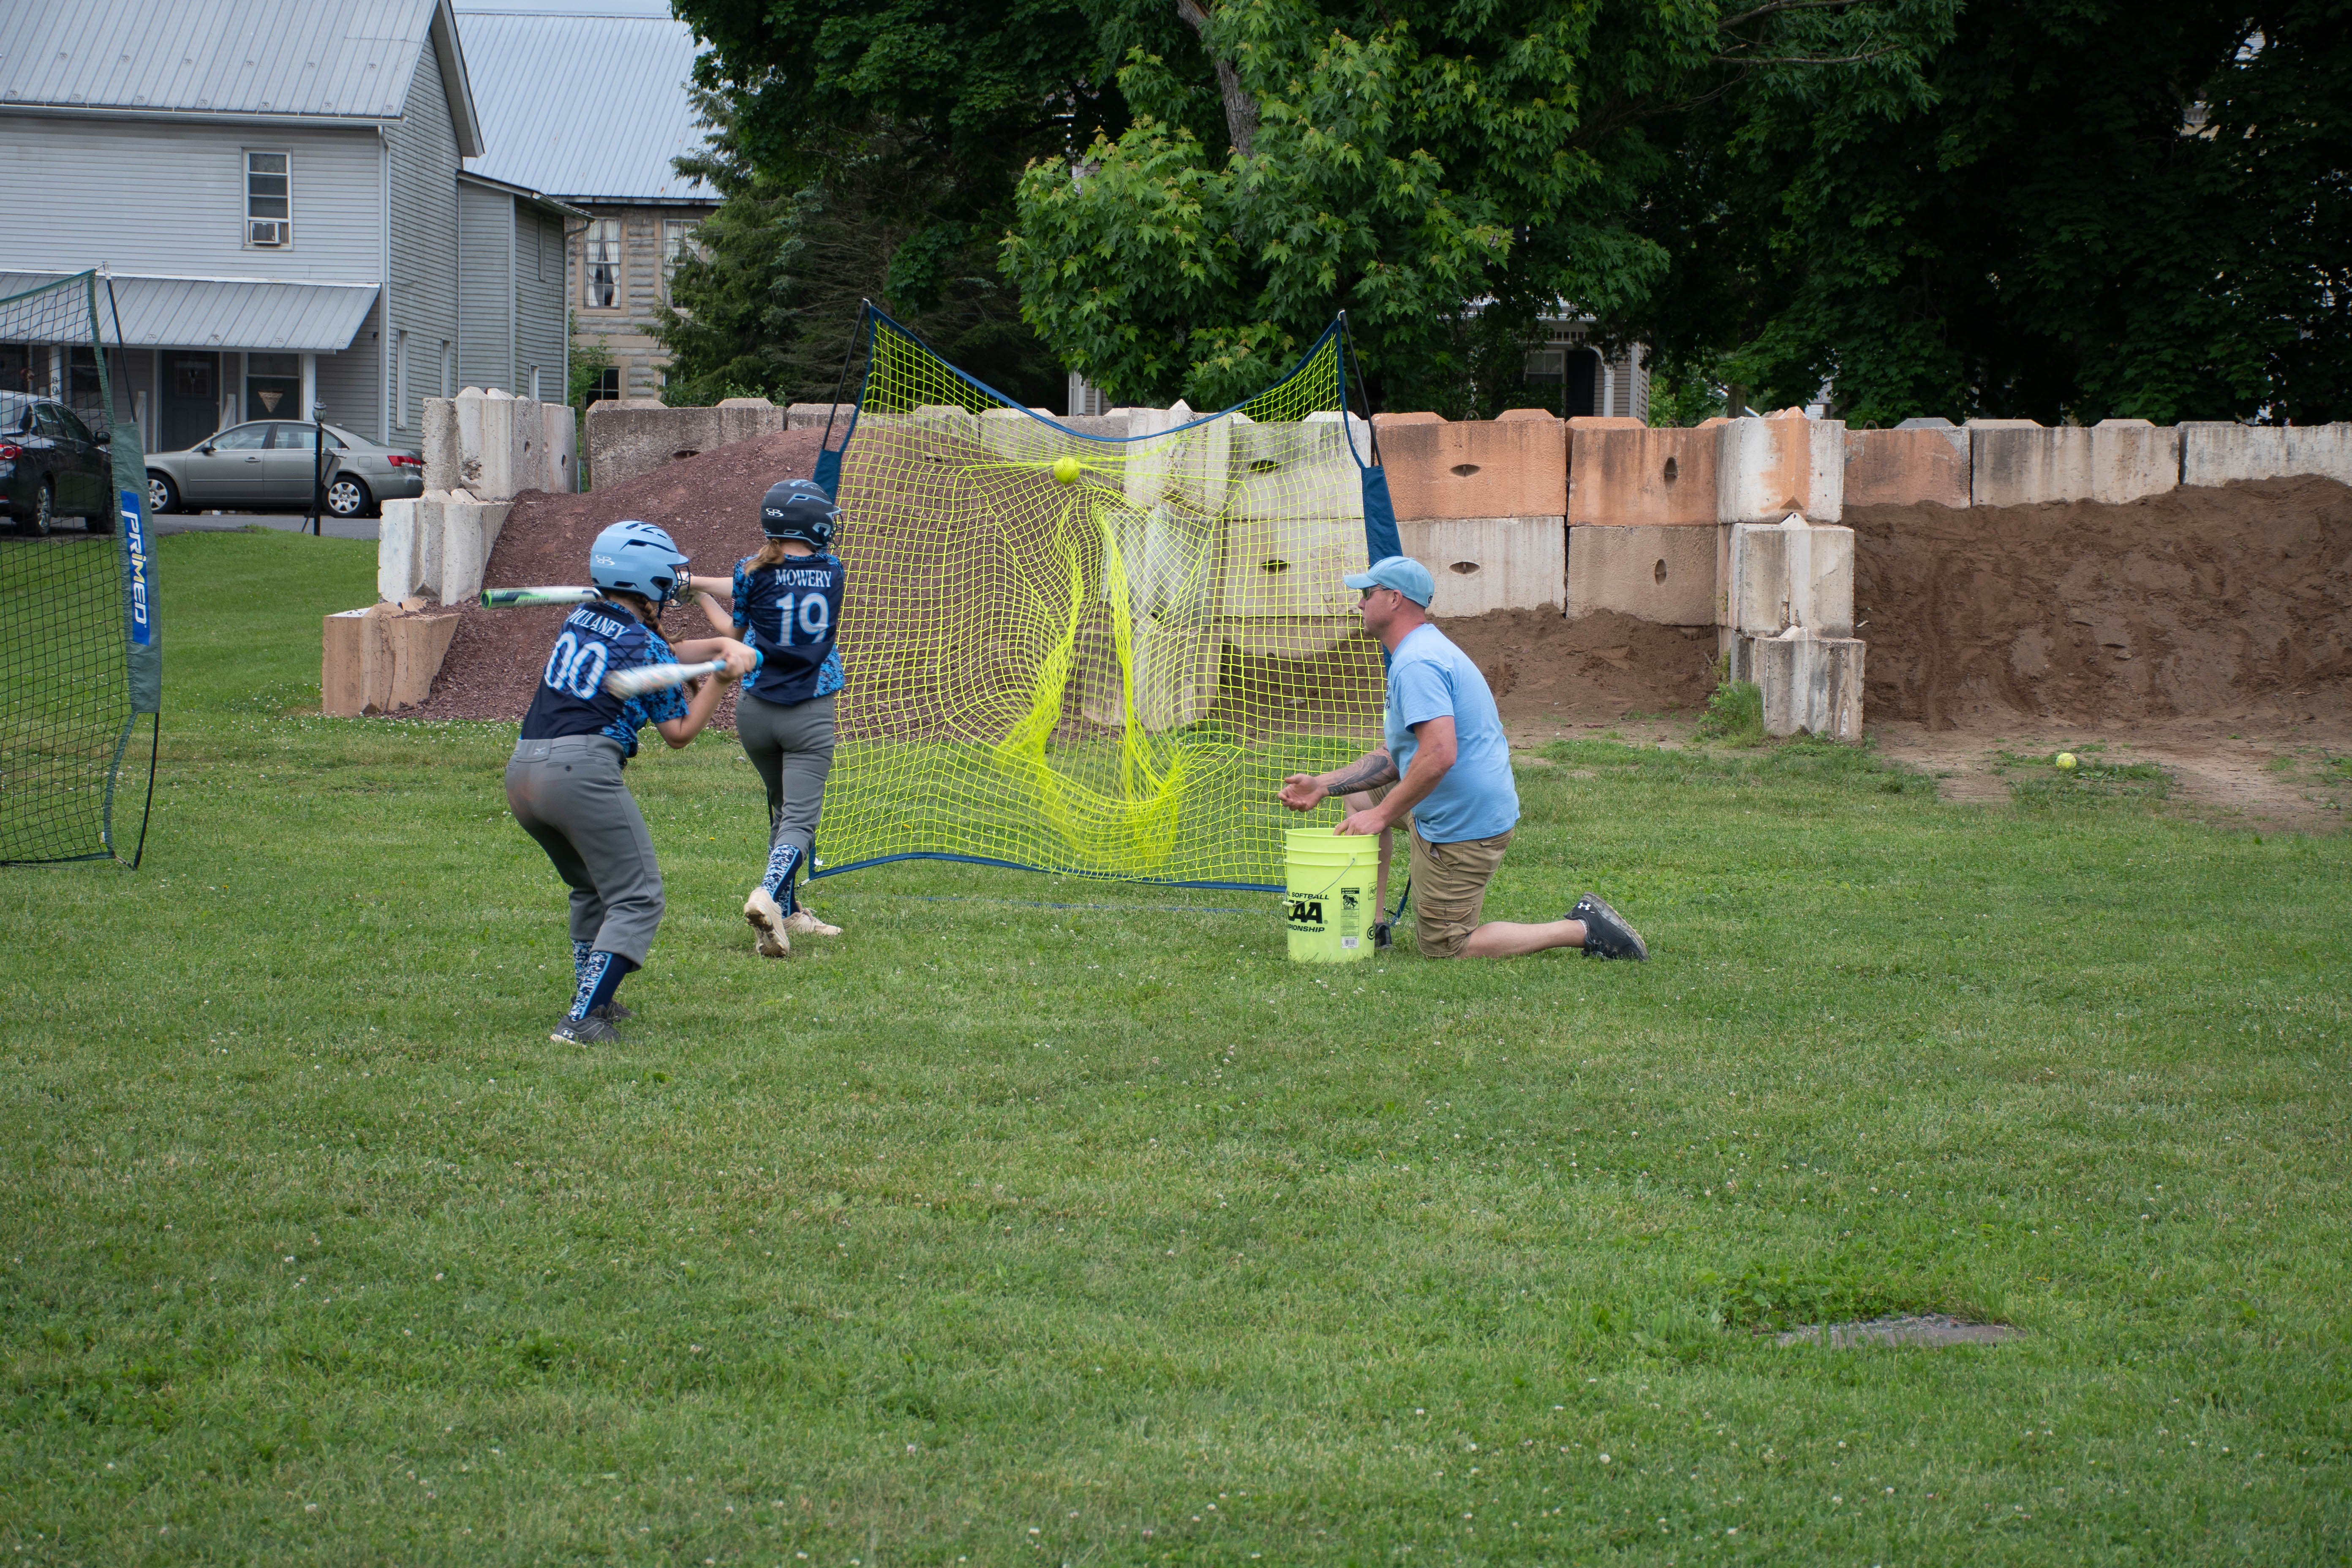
(80, 663)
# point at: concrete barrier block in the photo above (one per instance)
(1481, 468)
(468, 532)
(1298, 469)
(2023, 464)
(444, 452)
(1794, 575)
(1289, 566)
(1654, 571)
(1017, 436)
(346, 663)
(2220, 452)
(2322, 449)
(1767, 468)
(1111, 426)
(1171, 674)
(562, 470)
(746, 419)
(1624, 473)
(1811, 685)
(489, 469)
(398, 572)
(1291, 637)
(631, 436)
(1192, 471)
(814, 416)
(1382, 421)
(1918, 463)
(416, 645)
(1483, 564)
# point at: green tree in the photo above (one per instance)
(2102, 210)
(1444, 174)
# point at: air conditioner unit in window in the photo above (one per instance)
(268, 231)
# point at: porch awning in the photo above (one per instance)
(223, 313)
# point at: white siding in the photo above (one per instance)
(486, 294)
(169, 199)
(422, 148)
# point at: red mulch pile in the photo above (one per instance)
(709, 503)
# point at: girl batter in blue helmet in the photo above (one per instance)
(785, 601)
(564, 779)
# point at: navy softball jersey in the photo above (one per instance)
(789, 612)
(596, 640)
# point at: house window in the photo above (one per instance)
(400, 380)
(268, 200)
(678, 243)
(607, 385)
(600, 264)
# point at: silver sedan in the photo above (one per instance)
(264, 465)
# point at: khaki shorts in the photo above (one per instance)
(1449, 889)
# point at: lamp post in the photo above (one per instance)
(317, 463)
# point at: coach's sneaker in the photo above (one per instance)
(803, 921)
(766, 919)
(1384, 936)
(592, 1030)
(1606, 935)
(611, 1012)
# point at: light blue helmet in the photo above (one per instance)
(635, 557)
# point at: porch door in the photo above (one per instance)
(190, 402)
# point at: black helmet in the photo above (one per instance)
(799, 509)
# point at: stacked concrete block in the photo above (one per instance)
(2020, 463)
(2217, 454)
(1790, 574)
(631, 436)
(1652, 572)
(816, 415)
(1192, 471)
(381, 658)
(1787, 623)
(1768, 467)
(436, 544)
(1623, 474)
(495, 446)
(1811, 685)
(1920, 460)
(1484, 505)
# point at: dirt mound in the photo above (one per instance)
(1541, 665)
(2220, 601)
(709, 503)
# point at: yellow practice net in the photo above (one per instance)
(1097, 645)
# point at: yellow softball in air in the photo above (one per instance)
(1066, 470)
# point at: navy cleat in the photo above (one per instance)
(1606, 935)
(592, 1030)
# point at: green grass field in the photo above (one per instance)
(1045, 1221)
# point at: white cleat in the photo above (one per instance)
(803, 921)
(769, 921)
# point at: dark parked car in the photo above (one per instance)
(51, 466)
(264, 465)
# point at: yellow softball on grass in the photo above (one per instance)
(1066, 470)
(2066, 761)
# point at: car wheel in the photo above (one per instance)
(162, 495)
(45, 508)
(348, 497)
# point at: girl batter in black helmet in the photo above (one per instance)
(785, 601)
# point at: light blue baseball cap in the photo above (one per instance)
(1403, 573)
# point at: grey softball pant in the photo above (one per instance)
(793, 748)
(567, 794)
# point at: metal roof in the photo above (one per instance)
(590, 109)
(222, 312)
(341, 60)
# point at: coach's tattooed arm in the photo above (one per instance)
(1305, 792)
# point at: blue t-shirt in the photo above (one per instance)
(596, 640)
(790, 613)
(1429, 677)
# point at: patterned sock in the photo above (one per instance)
(782, 860)
(599, 979)
(580, 951)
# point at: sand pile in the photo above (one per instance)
(2225, 601)
(709, 503)
(1541, 665)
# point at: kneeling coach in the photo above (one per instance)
(1450, 765)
